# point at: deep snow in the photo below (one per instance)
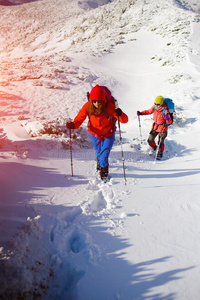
(64, 237)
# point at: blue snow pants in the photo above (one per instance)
(103, 148)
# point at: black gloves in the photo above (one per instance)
(70, 125)
(138, 113)
(118, 112)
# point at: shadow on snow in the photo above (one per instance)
(81, 260)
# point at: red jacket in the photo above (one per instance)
(158, 118)
(99, 125)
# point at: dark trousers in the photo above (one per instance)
(153, 134)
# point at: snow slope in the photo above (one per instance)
(64, 237)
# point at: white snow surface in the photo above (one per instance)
(74, 237)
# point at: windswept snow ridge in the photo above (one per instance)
(75, 237)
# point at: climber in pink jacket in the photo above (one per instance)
(160, 125)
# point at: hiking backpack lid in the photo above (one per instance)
(108, 94)
(170, 105)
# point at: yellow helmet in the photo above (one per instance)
(159, 100)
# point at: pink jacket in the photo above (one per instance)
(158, 118)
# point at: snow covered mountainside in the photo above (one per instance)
(74, 237)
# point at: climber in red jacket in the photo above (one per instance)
(160, 125)
(102, 115)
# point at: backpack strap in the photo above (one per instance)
(163, 112)
(165, 123)
(112, 120)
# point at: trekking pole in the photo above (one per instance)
(70, 145)
(120, 137)
(158, 146)
(140, 130)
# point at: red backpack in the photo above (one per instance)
(108, 95)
